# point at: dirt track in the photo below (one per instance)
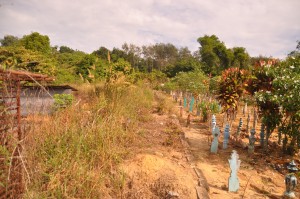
(165, 165)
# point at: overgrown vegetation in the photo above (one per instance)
(74, 153)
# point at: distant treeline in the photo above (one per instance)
(34, 53)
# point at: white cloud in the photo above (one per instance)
(266, 27)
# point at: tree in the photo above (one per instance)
(133, 53)
(216, 57)
(21, 58)
(182, 65)
(241, 58)
(211, 50)
(101, 52)
(117, 54)
(296, 52)
(66, 49)
(37, 42)
(9, 40)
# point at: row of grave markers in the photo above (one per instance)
(216, 134)
(234, 162)
(188, 100)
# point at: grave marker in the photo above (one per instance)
(233, 182)
(239, 127)
(291, 180)
(215, 142)
(192, 104)
(251, 141)
(213, 122)
(254, 118)
(248, 121)
(262, 134)
(226, 136)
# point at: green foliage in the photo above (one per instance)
(9, 40)
(241, 58)
(62, 100)
(194, 82)
(214, 84)
(66, 49)
(182, 65)
(21, 58)
(277, 87)
(216, 57)
(37, 42)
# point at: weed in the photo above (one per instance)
(72, 153)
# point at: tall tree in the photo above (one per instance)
(241, 58)
(66, 49)
(101, 52)
(9, 40)
(37, 42)
(214, 54)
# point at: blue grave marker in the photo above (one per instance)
(192, 104)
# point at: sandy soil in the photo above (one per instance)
(160, 168)
(257, 176)
(163, 166)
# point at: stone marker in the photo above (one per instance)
(233, 182)
(254, 118)
(192, 104)
(262, 134)
(248, 121)
(239, 127)
(215, 142)
(226, 136)
(251, 141)
(291, 180)
(213, 122)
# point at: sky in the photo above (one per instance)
(263, 27)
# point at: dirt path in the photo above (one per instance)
(257, 178)
(163, 166)
(159, 167)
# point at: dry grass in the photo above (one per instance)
(74, 153)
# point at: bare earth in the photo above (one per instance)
(163, 167)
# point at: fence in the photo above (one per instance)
(11, 135)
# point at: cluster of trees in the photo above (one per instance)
(33, 52)
(275, 86)
(216, 57)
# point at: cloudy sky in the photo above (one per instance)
(263, 27)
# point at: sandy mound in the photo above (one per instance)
(151, 176)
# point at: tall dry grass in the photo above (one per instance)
(74, 153)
